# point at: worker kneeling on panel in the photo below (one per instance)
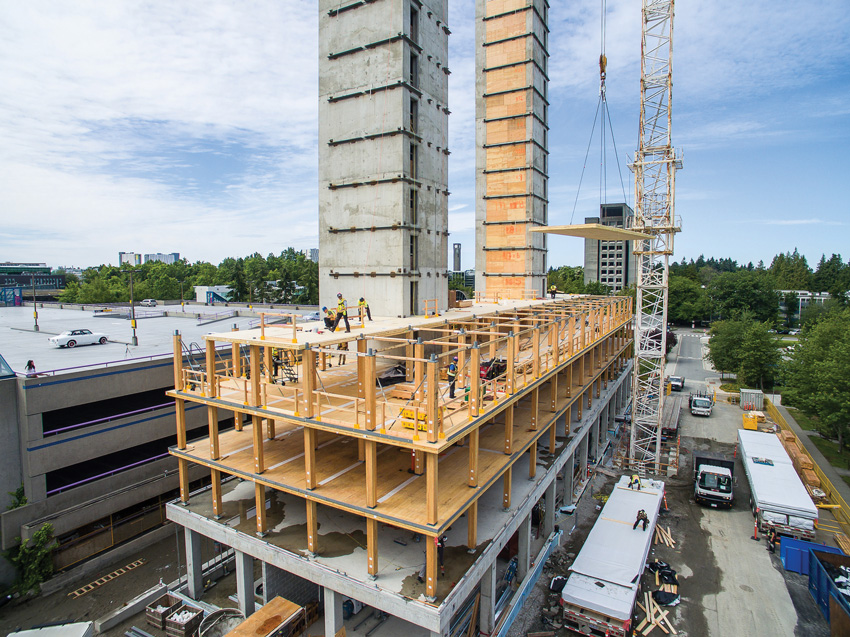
(641, 517)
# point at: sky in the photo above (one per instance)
(192, 127)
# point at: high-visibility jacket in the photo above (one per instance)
(362, 304)
(452, 370)
(341, 307)
(330, 313)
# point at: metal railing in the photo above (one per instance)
(842, 513)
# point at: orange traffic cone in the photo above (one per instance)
(755, 531)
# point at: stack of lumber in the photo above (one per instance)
(843, 542)
(810, 478)
(654, 617)
(786, 435)
(663, 536)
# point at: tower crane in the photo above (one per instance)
(655, 167)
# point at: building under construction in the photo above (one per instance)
(352, 468)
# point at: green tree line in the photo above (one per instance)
(286, 278)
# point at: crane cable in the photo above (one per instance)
(601, 107)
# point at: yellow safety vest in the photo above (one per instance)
(362, 304)
(340, 307)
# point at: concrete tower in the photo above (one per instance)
(383, 161)
(511, 138)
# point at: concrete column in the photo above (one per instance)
(524, 554)
(245, 582)
(569, 470)
(582, 459)
(195, 577)
(333, 612)
(549, 517)
(487, 605)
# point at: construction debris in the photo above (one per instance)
(664, 536)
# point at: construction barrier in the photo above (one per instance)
(842, 512)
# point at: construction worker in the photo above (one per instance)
(452, 376)
(771, 539)
(641, 517)
(634, 482)
(552, 290)
(341, 312)
(330, 316)
(364, 307)
(441, 552)
(342, 347)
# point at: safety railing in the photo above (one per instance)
(842, 513)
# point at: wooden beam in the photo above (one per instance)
(431, 462)
(506, 488)
(211, 384)
(218, 504)
(371, 474)
(372, 546)
(431, 566)
(257, 435)
(310, 477)
(212, 421)
(473, 457)
(509, 429)
(260, 502)
(177, 344)
(472, 526)
(312, 526)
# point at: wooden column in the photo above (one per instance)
(462, 368)
(472, 526)
(535, 353)
(255, 375)
(535, 407)
(431, 462)
(418, 462)
(218, 505)
(312, 526)
(235, 359)
(553, 393)
(473, 458)
(509, 430)
(260, 503)
(510, 377)
(552, 435)
(570, 379)
(419, 370)
(257, 436)
(492, 339)
(238, 416)
(432, 395)
(579, 403)
(569, 420)
(409, 355)
(180, 416)
(267, 360)
(308, 367)
(310, 438)
(431, 559)
(475, 381)
(532, 460)
(506, 488)
(572, 336)
(371, 474)
(270, 425)
(210, 356)
(183, 476)
(368, 381)
(177, 343)
(212, 421)
(361, 350)
(372, 546)
(555, 331)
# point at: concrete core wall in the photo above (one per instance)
(383, 156)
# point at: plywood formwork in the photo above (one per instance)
(406, 454)
(512, 152)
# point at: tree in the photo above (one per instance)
(567, 279)
(759, 355)
(724, 345)
(686, 300)
(733, 294)
(818, 373)
(791, 271)
(33, 560)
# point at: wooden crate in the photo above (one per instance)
(157, 618)
(187, 629)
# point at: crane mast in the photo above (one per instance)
(655, 168)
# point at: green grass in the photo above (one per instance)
(846, 479)
(730, 388)
(830, 451)
(809, 423)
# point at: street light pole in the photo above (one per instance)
(135, 340)
(34, 305)
(181, 295)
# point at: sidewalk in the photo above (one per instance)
(828, 470)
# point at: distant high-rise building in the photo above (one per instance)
(170, 257)
(612, 263)
(456, 251)
(383, 156)
(313, 255)
(130, 258)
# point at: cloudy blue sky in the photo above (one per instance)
(192, 126)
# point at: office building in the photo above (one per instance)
(611, 263)
(170, 257)
(129, 258)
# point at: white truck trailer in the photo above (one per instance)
(778, 497)
(600, 593)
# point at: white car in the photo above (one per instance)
(148, 303)
(72, 338)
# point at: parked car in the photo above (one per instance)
(794, 332)
(72, 338)
(148, 303)
(677, 383)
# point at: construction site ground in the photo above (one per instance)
(729, 584)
